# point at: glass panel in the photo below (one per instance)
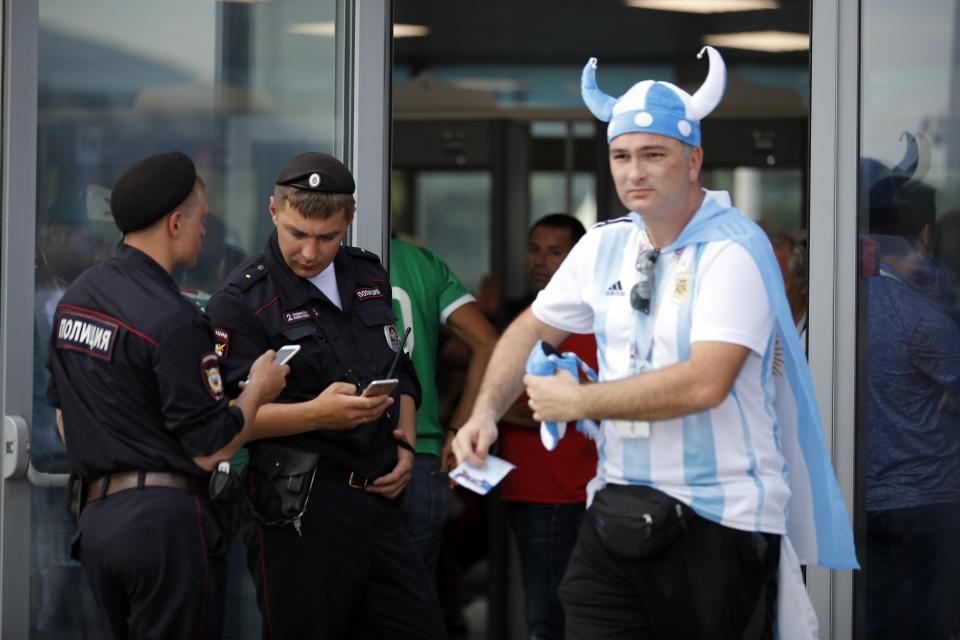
(908, 423)
(453, 219)
(773, 197)
(240, 87)
(548, 195)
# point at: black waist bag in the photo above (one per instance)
(281, 481)
(638, 521)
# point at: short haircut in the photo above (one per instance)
(318, 205)
(189, 204)
(562, 221)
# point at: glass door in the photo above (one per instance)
(238, 86)
(908, 322)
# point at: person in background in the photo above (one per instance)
(912, 495)
(426, 296)
(547, 491)
(792, 257)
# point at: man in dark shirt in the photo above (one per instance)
(912, 462)
(346, 566)
(143, 413)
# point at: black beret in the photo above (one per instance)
(150, 189)
(317, 172)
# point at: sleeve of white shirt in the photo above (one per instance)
(731, 303)
(563, 302)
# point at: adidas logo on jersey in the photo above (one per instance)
(616, 289)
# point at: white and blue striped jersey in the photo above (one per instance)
(725, 463)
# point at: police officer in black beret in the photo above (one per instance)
(144, 416)
(330, 554)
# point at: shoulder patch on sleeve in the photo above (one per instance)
(86, 332)
(222, 341)
(210, 373)
(358, 252)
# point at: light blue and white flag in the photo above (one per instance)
(817, 521)
(545, 361)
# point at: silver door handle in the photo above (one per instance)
(16, 462)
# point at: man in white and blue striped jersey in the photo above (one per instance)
(712, 469)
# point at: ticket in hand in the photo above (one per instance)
(482, 480)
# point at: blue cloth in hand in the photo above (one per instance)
(544, 360)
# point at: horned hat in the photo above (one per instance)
(653, 106)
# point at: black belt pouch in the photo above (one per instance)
(284, 477)
(638, 521)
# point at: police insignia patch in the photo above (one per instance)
(393, 336)
(87, 332)
(222, 345)
(368, 293)
(295, 315)
(210, 372)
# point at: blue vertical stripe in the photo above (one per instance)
(606, 272)
(699, 448)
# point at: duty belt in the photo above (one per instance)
(125, 480)
(333, 471)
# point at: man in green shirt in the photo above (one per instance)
(427, 294)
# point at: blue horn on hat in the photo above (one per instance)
(907, 167)
(916, 159)
(710, 93)
(599, 103)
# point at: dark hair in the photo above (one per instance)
(313, 204)
(796, 252)
(562, 221)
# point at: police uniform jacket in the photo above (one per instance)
(264, 305)
(134, 372)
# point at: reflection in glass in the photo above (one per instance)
(228, 84)
(453, 219)
(548, 195)
(909, 324)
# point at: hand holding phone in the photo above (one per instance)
(282, 356)
(380, 387)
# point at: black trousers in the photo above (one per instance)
(712, 582)
(912, 573)
(153, 558)
(354, 572)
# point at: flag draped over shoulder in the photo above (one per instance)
(817, 521)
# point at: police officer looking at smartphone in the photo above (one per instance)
(143, 413)
(330, 555)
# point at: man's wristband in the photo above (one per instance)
(403, 444)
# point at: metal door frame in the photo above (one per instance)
(834, 125)
(19, 158)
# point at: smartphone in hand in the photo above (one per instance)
(285, 353)
(283, 356)
(380, 387)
